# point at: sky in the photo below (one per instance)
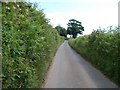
(92, 13)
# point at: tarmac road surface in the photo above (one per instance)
(70, 70)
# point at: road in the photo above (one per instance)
(70, 70)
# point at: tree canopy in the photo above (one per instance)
(62, 31)
(74, 28)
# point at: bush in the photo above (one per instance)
(101, 49)
(27, 42)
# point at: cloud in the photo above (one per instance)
(91, 19)
(75, 1)
(92, 13)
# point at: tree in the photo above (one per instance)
(62, 31)
(74, 28)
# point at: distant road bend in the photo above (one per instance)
(70, 70)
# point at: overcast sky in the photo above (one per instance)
(92, 13)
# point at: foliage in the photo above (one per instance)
(102, 50)
(74, 28)
(62, 31)
(27, 42)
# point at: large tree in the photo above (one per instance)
(74, 28)
(62, 31)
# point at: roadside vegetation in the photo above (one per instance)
(29, 43)
(102, 49)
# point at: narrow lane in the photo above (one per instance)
(70, 70)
